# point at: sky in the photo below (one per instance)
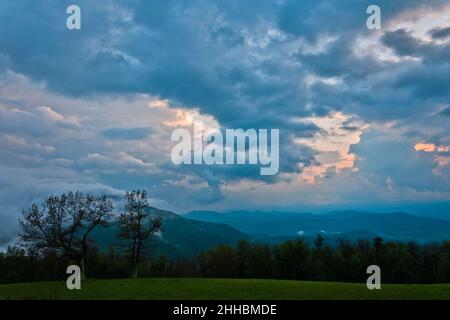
(363, 114)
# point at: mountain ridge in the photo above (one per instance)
(180, 237)
(395, 225)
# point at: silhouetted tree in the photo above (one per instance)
(63, 224)
(136, 226)
(220, 262)
(321, 259)
(319, 242)
(292, 259)
(378, 245)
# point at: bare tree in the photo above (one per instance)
(136, 226)
(64, 223)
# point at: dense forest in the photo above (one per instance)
(296, 259)
(56, 234)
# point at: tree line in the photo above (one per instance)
(317, 261)
(58, 232)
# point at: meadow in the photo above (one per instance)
(219, 289)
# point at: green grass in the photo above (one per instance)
(192, 289)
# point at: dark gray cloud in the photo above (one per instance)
(312, 18)
(404, 44)
(340, 61)
(440, 33)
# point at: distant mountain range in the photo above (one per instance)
(189, 234)
(342, 224)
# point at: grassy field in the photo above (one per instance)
(192, 289)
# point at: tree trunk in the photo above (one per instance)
(83, 259)
(83, 268)
(134, 271)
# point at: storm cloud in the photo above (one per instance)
(93, 109)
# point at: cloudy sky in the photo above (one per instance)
(363, 114)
